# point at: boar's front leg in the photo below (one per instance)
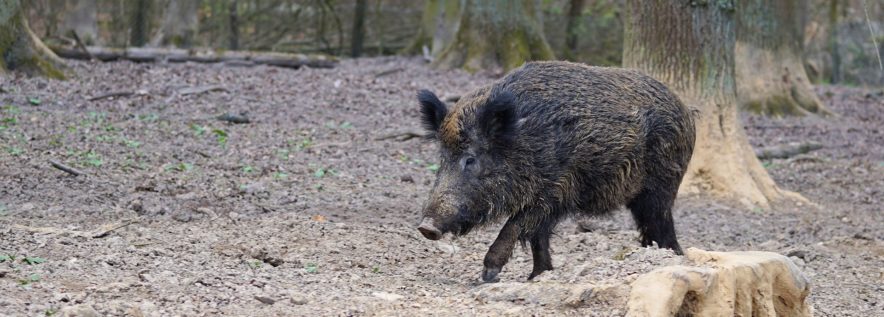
(501, 250)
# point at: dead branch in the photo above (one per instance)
(103, 231)
(81, 46)
(401, 137)
(112, 94)
(65, 168)
(176, 55)
(389, 72)
(234, 118)
(201, 89)
(786, 150)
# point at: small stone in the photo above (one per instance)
(265, 300)
(406, 179)
(298, 299)
(390, 297)
(447, 247)
(82, 310)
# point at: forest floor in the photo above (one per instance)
(304, 212)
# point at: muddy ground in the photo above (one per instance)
(304, 212)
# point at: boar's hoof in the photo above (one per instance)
(489, 275)
(536, 273)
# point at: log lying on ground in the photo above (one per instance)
(786, 150)
(176, 55)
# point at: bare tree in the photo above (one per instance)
(770, 59)
(358, 28)
(179, 26)
(140, 23)
(486, 34)
(20, 49)
(689, 46)
(575, 11)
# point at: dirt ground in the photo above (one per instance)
(304, 212)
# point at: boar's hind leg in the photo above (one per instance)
(652, 211)
(501, 250)
(540, 249)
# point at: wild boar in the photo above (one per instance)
(553, 139)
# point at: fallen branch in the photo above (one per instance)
(65, 168)
(99, 232)
(175, 55)
(234, 118)
(103, 231)
(81, 46)
(401, 137)
(201, 89)
(389, 72)
(786, 150)
(113, 94)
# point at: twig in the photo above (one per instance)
(106, 229)
(82, 46)
(201, 89)
(401, 137)
(114, 94)
(872, 34)
(389, 72)
(234, 118)
(65, 168)
(786, 150)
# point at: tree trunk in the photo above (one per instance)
(179, 26)
(833, 42)
(690, 48)
(358, 28)
(575, 12)
(81, 18)
(486, 34)
(233, 24)
(770, 59)
(140, 23)
(20, 49)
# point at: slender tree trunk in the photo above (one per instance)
(575, 12)
(233, 24)
(20, 49)
(425, 33)
(770, 59)
(140, 23)
(489, 34)
(179, 26)
(358, 28)
(81, 18)
(833, 42)
(689, 46)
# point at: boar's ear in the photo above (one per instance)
(433, 111)
(497, 119)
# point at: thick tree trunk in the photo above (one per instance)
(833, 42)
(179, 26)
(233, 25)
(575, 12)
(482, 34)
(140, 23)
(770, 59)
(358, 28)
(690, 48)
(20, 49)
(81, 18)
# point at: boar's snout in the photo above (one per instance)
(429, 230)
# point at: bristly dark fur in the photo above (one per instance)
(554, 139)
(433, 111)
